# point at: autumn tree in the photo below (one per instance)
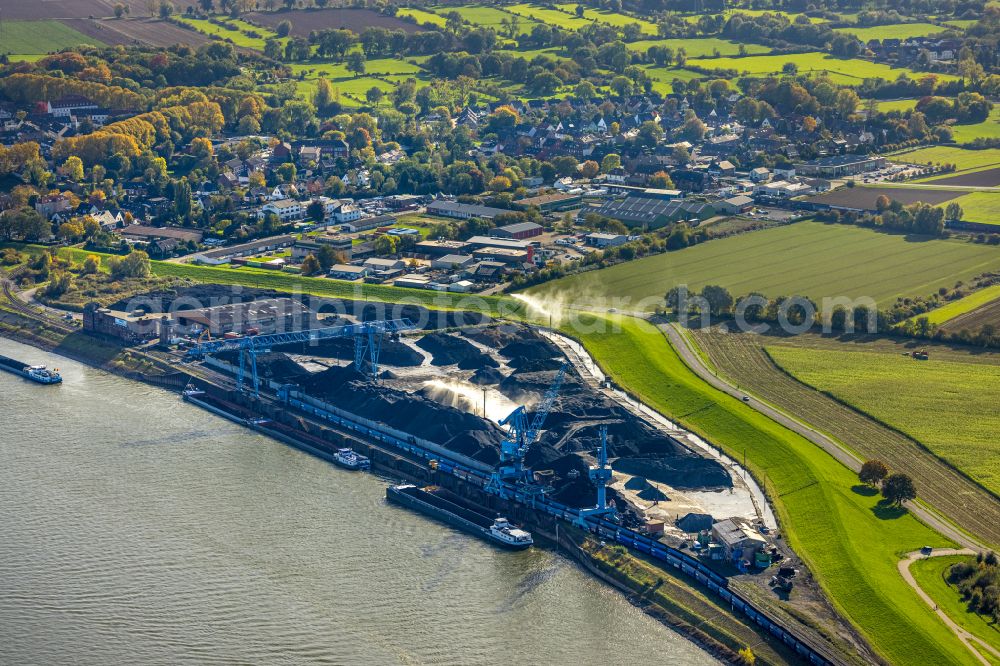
(898, 488)
(311, 265)
(872, 472)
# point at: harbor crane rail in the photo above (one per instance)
(367, 345)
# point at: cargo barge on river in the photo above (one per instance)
(434, 502)
(36, 373)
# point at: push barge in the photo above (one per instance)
(36, 373)
(433, 502)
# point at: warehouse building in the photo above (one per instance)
(518, 231)
(271, 315)
(461, 211)
(653, 213)
(838, 166)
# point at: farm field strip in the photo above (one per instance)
(806, 258)
(896, 105)
(28, 38)
(974, 319)
(703, 47)
(963, 158)
(549, 16)
(963, 305)
(897, 390)
(489, 17)
(893, 31)
(421, 16)
(850, 545)
(981, 207)
(611, 18)
(852, 68)
(742, 359)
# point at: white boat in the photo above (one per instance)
(348, 459)
(42, 375)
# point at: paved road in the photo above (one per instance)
(963, 635)
(695, 362)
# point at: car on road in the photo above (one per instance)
(746, 398)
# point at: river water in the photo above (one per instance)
(137, 529)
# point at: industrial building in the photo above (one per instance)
(602, 241)
(838, 166)
(265, 316)
(461, 211)
(129, 327)
(652, 212)
(518, 231)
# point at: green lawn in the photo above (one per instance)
(422, 16)
(896, 105)
(988, 129)
(806, 258)
(663, 77)
(948, 406)
(980, 207)
(963, 305)
(610, 18)
(961, 24)
(851, 69)
(549, 16)
(962, 158)
(850, 544)
(931, 574)
(491, 17)
(698, 48)
(236, 32)
(893, 31)
(28, 38)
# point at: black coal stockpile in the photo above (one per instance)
(195, 297)
(393, 352)
(451, 350)
(485, 376)
(420, 316)
(533, 350)
(274, 366)
(499, 336)
(457, 430)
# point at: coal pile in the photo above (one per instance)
(452, 428)
(393, 352)
(486, 376)
(680, 471)
(274, 366)
(452, 350)
(498, 337)
(420, 316)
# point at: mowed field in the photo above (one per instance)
(848, 70)
(947, 405)
(39, 37)
(697, 48)
(742, 359)
(850, 544)
(981, 208)
(963, 158)
(806, 258)
(988, 129)
(893, 31)
(931, 575)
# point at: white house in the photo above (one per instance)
(286, 210)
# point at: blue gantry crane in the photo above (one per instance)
(367, 345)
(599, 475)
(520, 435)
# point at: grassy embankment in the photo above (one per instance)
(931, 575)
(963, 305)
(948, 406)
(850, 541)
(807, 258)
